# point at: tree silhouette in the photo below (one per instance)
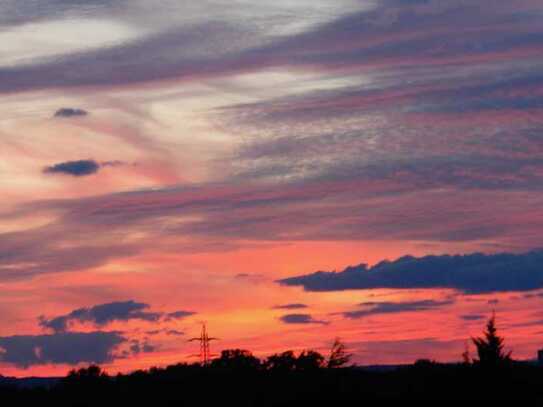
(281, 362)
(338, 355)
(236, 359)
(290, 382)
(288, 361)
(92, 372)
(309, 360)
(490, 347)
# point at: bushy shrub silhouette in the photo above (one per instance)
(281, 362)
(309, 360)
(237, 359)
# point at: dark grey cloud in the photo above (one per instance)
(102, 314)
(473, 317)
(148, 348)
(301, 319)
(533, 320)
(379, 308)
(67, 112)
(471, 274)
(137, 347)
(174, 332)
(179, 314)
(80, 168)
(169, 332)
(290, 306)
(61, 348)
(533, 295)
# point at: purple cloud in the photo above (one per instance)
(102, 314)
(472, 274)
(80, 168)
(60, 348)
(301, 319)
(290, 306)
(379, 308)
(69, 112)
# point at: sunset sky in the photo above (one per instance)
(169, 162)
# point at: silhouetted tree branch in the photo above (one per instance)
(338, 355)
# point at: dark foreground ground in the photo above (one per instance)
(183, 385)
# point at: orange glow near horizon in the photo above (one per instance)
(239, 310)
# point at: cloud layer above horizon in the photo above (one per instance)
(471, 274)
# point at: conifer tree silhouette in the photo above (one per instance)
(490, 347)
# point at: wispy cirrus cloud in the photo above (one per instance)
(380, 308)
(393, 32)
(16, 12)
(290, 306)
(195, 40)
(347, 210)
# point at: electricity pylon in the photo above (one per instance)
(204, 339)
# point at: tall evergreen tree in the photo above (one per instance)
(490, 347)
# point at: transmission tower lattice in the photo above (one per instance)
(204, 339)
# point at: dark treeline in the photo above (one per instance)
(238, 378)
